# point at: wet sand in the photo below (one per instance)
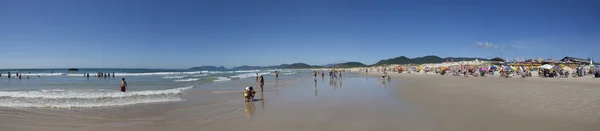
(407, 102)
(498, 104)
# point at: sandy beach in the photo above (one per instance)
(359, 102)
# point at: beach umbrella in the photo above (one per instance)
(556, 67)
(493, 67)
(596, 66)
(546, 66)
(507, 68)
(484, 69)
(567, 68)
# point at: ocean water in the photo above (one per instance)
(59, 88)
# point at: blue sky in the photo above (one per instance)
(182, 34)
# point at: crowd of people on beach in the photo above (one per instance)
(503, 71)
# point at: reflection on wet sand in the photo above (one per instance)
(340, 82)
(322, 80)
(262, 101)
(276, 87)
(316, 91)
(249, 109)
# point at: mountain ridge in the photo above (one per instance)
(396, 60)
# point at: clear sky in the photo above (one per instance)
(182, 34)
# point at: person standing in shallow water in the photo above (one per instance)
(262, 83)
(123, 85)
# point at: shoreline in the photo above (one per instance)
(356, 102)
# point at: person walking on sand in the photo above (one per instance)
(123, 85)
(262, 83)
(315, 76)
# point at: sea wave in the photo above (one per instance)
(242, 76)
(217, 79)
(78, 98)
(201, 75)
(216, 72)
(245, 71)
(87, 94)
(187, 80)
(158, 73)
(173, 77)
(85, 103)
(40, 74)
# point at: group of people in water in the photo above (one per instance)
(101, 74)
(17, 75)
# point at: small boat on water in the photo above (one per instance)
(73, 69)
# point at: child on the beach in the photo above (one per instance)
(249, 93)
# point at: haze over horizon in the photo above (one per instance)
(184, 34)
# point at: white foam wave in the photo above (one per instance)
(173, 77)
(289, 73)
(87, 94)
(78, 103)
(157, 73)
(76, 74)
(245, 71)
(187, 80)
(201, 75)
(216, 72)
(242, 76)
(41, 74)
(221, 79)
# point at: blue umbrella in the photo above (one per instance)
(508, 68)
(493, 67)
(596, 66)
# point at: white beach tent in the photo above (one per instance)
(546, 66)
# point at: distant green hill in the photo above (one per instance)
(349, 65)
(423, 60)
(299, 65)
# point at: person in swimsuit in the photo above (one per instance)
(123, 85)
(262, 83)
(315, 75)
